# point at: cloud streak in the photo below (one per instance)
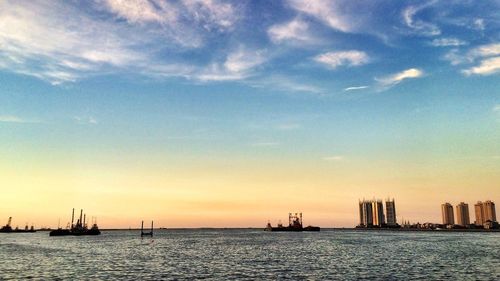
(238, 65)
(485, 57)
(419, 26)
(396, 78)
(336, 59)
(15, 119)
(486, 67)
(447, 42)
(57, 42)
(265, 144)
(90, 120)
(335, 158)
(295, 30)
(355, 88)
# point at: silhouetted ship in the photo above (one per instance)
(294, 224)
(78, 229)
(8, 228)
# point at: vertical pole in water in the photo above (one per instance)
(72, 217)
(142, 228)
(151, 228)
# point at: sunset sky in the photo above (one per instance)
(232, 113)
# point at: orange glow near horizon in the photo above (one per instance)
(236, 194)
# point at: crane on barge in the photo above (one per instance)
(294, 224)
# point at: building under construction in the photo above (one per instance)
(79, 228)
(294, 224)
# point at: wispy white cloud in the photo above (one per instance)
(289, 126)
(486, 67)
(454, 57)
(142, 10)
(479, 24)
(237, 65)
(396, 78)
(58, 42)
(295, 30)
(496, 112)
(173, 15)
(265, 144)
(421, 27)
(16, 119)
(326, 11)
(342, 15)
(334, 158)
(486, 57)
(336, 59)
(86, 120)
(243, 60)
(487, 50)
(55, 42)
(447, 42)
(355, 88)
(286, 84)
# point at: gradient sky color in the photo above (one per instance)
(232, 113)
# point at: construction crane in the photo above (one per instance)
(7, 227)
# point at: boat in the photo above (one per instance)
(78, 229)
(294, 225)
(8, 228)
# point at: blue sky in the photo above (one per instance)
(110, 83)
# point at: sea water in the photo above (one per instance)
(246, 254)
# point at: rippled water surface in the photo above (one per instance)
(252, 255)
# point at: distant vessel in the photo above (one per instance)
(78, 229)
(8, 228)
(294, 224)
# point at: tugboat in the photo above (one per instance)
(78, 229)
(294, 224)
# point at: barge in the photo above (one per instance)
(294, 224)
(8, 228)
(78, 229)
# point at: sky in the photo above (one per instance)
(233, 113)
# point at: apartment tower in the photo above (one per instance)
(463, 218)
(485, 211)
(447, 213)
(479, 210)
(378, 213)
(390, 209)
(365, 213)
(489, 211)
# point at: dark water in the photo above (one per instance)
(252, 255)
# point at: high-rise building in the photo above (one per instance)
(485, 211)
(463, 218)
(365, 213)
(390, 209)
(489, 211)
(478, 208)
(447, 213)
(371, 213)
(378, 213)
